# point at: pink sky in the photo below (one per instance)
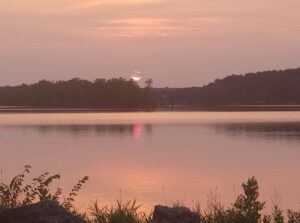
(175, 42)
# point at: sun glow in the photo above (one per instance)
(135, 78)
(136, 75)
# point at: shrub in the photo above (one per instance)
(17, 193)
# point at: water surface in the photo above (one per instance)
(158, 157)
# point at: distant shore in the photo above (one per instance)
(225, 108)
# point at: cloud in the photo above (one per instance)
(96, 3)
(140, 27)
(130, 27)
(98, 19)
(62, 6)
(149, 27)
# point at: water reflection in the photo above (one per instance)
(271, 131)
(281, 131)
(135, 130)
(187, 154)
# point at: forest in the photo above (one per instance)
(78, 93)
(262, 88)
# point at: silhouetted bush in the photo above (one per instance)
(16, 193)
(246, 209)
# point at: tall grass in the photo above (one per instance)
(128, 212)
(247, 208)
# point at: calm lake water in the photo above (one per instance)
(158, 157)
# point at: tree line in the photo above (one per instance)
(262, 88)
(78, 93)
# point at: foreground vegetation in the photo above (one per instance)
(247, 207)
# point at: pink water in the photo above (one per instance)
(158, 157)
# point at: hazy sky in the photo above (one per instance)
(175, 42)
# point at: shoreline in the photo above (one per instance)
(179, 108)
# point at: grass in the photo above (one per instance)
(247, 208)
(128, 212)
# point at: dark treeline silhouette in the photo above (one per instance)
(78, 93)
(262, 88)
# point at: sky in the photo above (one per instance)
(178, 43)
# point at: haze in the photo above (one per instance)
(175, 42)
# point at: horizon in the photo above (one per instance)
(142, 80)
(178, 44)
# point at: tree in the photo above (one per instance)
(247, 206)
(277, 213)
(148, 83)
(149, 99)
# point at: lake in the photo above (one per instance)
(157, 157)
